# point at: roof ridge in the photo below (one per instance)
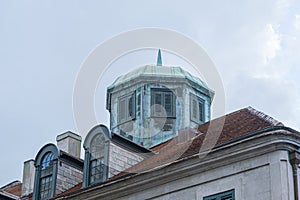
(11, 184)
(264, 116)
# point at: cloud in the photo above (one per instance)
(257, 57)
(255, 45)
(276, 97)
(270, 43)
(297, 22)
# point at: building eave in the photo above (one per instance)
(8, 195)
(245, 148)
(143, 80)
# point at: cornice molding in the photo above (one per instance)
(247, 148)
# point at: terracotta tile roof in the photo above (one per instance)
(190, 141)
(160, 146)
(230, 126)
(14, 188)
(236, 124)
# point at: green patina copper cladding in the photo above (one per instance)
(159, 60)
(143, 90)
(158, 71)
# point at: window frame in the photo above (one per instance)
(221, 195)
(199, 103)
(130, 108)
(46, 174)
(163, 92)
(101, 166)
(100, 158)
(45, 187)
(51, 174)
(88, 159)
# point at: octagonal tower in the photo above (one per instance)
(150, 104)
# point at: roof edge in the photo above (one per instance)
(264, 116)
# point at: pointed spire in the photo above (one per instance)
(159, 61)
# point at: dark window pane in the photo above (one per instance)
(45, 187)
(158, 98)
(96, 171)
(194, 109)
(168, 104)
(162, 99)
(201, 111)
(229, 195)
(139, 105)
(122, 112)
(227, 198)
(131, 107)
(126, 109)
(197, 111)
(46, 176)
(158, 102)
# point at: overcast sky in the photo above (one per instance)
(254, 44)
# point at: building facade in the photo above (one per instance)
(162, 144)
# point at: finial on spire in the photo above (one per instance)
(159, 61)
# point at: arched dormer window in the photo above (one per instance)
(46, 170)
(46, 177)
(96, 147)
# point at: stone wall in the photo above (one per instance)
(121, 159)
(67, 177)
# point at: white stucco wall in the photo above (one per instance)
(265, 177)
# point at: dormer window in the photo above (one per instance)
(163, 103)
(197, 109)
(97, 166)
(46, 171)
(96, 147)
(126, 108)
(46, 176)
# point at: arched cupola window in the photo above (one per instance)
(96, 147)
(46, 171)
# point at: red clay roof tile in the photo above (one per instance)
(190, 141)
(230, 126)
(14, 188)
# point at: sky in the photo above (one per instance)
(254, 45)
